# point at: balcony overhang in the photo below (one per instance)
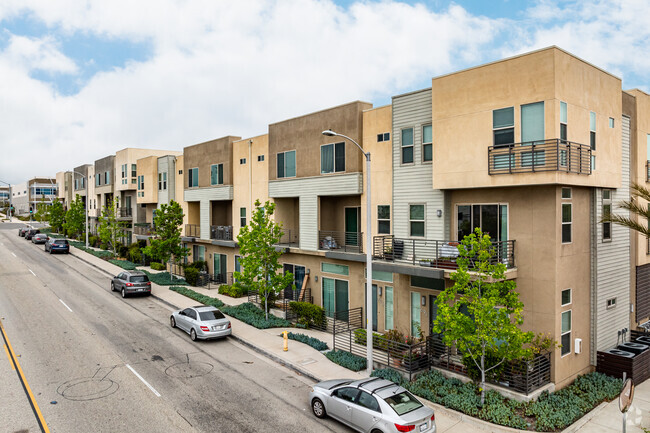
(220, 192)
(340, 184)
(416, 271)
(223, 243)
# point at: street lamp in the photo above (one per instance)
(87, 199)
(331, 133)
(10, 204)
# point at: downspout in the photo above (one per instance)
(250, 175)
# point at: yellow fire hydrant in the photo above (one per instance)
(286, 340)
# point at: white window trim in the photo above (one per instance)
(564, 188)
(570, 297)
(401, 146)
(570, 223)
(386, 328)
(383, 219)
(504, 127)
(423, 220)
(570, 331)
(411, 309)
(285, 164)
(607, 202)
(613, 305)
(426, 143)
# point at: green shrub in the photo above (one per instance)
(311, 341)
(134, 254)
(191, 275)
(122, 250)
(206, 300)
(124, 264)
(495, 373)
(347, 360)
(254, 316)
(200, 265)
(164, 279)
(232, 291)
(308, 314)
(158, 266)
(389, 374)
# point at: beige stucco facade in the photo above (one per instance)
(148, 167)
(250, 179)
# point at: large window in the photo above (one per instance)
(416, 220)
(193, 177)
(162, 181)
(607, 211)
(242, 216)
(592, 130)
(532, 123)
(107, 178)
(415, 313)
(407, 146)
(298, 272)
(383, 219)
(134, 170)
(566, 333)
(332, 158)
(335, 297)
(286, 164)
(491, 218)
(388, 293)
(503, 126)
(567, 219)
(98, 179)
(216, 174)
(563, 121)
(333, 268)
(198, 253)
(427, 143)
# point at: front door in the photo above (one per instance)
(352, 226)
(220, 262)
(335, 298)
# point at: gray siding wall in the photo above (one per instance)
(205, 196)
(413, 183)
(612, 264)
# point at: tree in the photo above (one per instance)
(640, 211)
(166, 235)
(481, 312)
(57, 216)
(42, 211)
(109, 228)
(260, 259)
(75, 218)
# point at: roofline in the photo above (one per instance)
(412, 92)
(321, 111)
(377, 108)
(636, 89)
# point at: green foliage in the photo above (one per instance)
(492, 362)
(311, 341)
(75, 218)
(134, 254)
(260, 259)
(109, 228)
(392, 341)
(158, 266)
(166, 235)
(42, 210)
(164, 279)
(57, 216)
(101, 254)
(93, 240)
(232, 291)
(308, 314)
(206, 300)
(347, 360)
(389, 374)
(124, 264)
(191, 275)
(200, 265)
(249, 313)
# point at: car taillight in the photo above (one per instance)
(433, 417)
(404, 427)
(229, 325)
(205, 328)
(148, 283)
(129, 284)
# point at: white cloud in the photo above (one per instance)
(37, 54)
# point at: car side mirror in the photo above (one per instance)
(182, 313)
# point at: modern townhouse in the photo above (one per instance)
(104, 181)
(4, 195)
(81, 180)
(28, 195)
(65, 187)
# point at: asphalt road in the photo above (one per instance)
(98, 363)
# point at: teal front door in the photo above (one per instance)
(335, 298)
(352, 226)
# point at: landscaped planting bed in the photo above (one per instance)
(206, 300)
(310, 341)
(164, 278)
(124, 264)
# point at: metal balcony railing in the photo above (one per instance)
(142, 229)
(223, 233)
(125, 212)
(537, 156)
(192, 230)
(433, 253)
(290, 238)
(349, 242)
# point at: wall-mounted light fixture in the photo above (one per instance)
(424, 301)
(439, 213)
(210, 255)
(316, 278)
(379, 288)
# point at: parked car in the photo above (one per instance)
(131, 282)
(53, 245)
(371, 405)
(202, 322)
(39, 238)
(22, 231)
(31, 232)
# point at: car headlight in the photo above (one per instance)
(311, 389)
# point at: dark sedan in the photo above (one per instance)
(57, 245)
(39, 238)
(31, 232)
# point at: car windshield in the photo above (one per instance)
(211, 315)
(139, 279)
(403, 403)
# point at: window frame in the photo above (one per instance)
(411, 309)
(190, 177)
(423, 221)
(334, 157)
(392, 311)
(606, 202)
(411, 146)
(284, 164)
(242, 216)
(570, 291)
(379, 220)
(219, 174)
(592, 130)
(427, 143)
(503, 128)
(611, 303)
(569, 223)
(562, 334)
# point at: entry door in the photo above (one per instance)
(352, 219)
(341, 300)
(220, 262)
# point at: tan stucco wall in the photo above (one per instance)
(180, 186)
(287, 212)
(463, 103)
(148, 167)
(304, 135)
(249, 178)
(130, 156)
(203, 155)
(332, 212)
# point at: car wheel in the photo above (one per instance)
(318, 408)
(123, 293)
(172, 321)
(112, 286)
(193, 335)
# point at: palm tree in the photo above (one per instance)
(637, 211)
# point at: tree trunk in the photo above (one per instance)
(483, 377)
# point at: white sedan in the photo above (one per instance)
(202, 322)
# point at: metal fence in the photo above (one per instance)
(221, 233)
(282, 300)
(211, 281)
(543, 155)
(192, 230)
(290, 238)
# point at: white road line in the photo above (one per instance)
(13, 254)
(31, 272)
(65, 305)
(143, 381)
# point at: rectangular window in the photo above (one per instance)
(427, 143)
(242, 161)
(383, 137)
(407, 146)
(592, 130)
(107, 178)
(333, 268)
(216, 174)
(593, 162)
(383, 219)
(566, 193)
(611, 303)
(332, 158)
(164, 181)
(532, 123)
(260, 158)
(123, 171)
(416, 220)
(335, 297)
(563, 122)
(388, 293)
(607, 211)
(386, 276)
(611, 122)
(134, 170)
(193, 177)
(491, 218)
(566, 333)
(98, 180)
(242, 216)
(286, 164)
(159, 181)
(415, 313)
(503, 126)
(566, 223)
(566, 297)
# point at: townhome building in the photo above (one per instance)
(27, 196)
(65, 190)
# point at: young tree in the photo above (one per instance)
(260, 259)
(75, 218)
(166, 239)
(109, 228)
(42, 211)
(57, 216)
(490, 324)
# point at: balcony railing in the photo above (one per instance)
(223, 233)
(537, 156)
(433, 253)
(192, 230)
(142, 229)
(125, 212)
(290, 238)
(349, 242)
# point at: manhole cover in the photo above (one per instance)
(189, 369)
(87, 389)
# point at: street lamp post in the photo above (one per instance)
(331, 133)
(87, 198)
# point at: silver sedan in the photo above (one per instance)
(371, 405)
(202, 322)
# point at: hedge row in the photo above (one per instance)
(124, 264)
(232, 291)
(254, 316)
(206, 300)
(347, 360)
(310, 341)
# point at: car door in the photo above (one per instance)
(191, 318)
(366, 413)
(118, 281)
(181, 321)
(341, 404)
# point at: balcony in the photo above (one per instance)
(192, 230)
(125, 212)
(539, 156)
(433, 253)
(347, 242)
(290, 238)
(222, 233)
(143, 229)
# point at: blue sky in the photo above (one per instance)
(168, 74)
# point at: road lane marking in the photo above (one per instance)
(13, 254)
(143, 381)
(13, 367)
(61, 300)
(31, 272)
(23, 381)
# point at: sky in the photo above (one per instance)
(83, 79)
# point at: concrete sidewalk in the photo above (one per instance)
(305, 360)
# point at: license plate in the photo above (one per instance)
(423, 427)
(140, 290)
(217, 328)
